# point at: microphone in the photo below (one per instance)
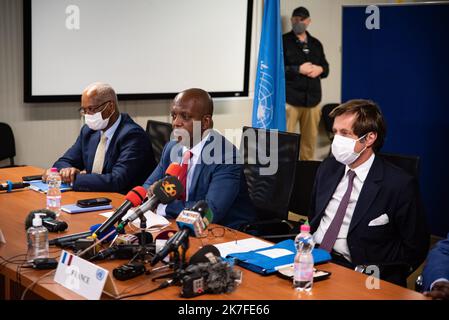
(191, 223)
(206, 254)
(121, 251)
(165, 191)
(208, 273)
(8, 186)
(69, 238)
(174, 169)
(134, 198)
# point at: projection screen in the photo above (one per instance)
(146, 49)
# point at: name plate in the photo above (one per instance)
(81, 276)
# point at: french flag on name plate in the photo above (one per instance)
(67, 258)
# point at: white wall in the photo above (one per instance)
(44, 131)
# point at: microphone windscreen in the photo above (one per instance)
(168, 189)
(102, 234)
(174, 169)
(136, 196)
(204, 254)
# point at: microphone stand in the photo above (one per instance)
(179, 264)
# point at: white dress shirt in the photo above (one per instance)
(196, 155)
(341, 244)
(110, 132)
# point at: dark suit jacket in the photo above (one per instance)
(386, 190)
(222, 184)
(437, 265)
(128, 160)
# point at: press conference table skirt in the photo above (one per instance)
(343, 284)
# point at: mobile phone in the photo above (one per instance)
(32, 178)
(93, 202)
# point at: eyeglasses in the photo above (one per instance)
(91, 110)
(216, 232)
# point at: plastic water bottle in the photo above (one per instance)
(54, 191)
(303, 263)
(37, 238)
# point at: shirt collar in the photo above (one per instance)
(110, 132)
(196, 150)
(362, 171)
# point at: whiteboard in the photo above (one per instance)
(146, 49)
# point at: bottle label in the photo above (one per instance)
(303, 272)
(53, 202)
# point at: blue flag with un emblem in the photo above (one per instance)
(269, 91)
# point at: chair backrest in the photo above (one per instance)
(409, 164)
(328, 121)
(270, 194)
(7, 143)
(303, 186)
(159, 133)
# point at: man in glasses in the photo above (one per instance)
(112, 152)
(305, 66)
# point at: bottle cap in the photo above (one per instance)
(37, 221)
(305, 227)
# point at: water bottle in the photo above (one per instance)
(303, 263)
(54, 191)
(37, 238)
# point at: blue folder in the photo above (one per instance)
(40, 186)
(254, 261)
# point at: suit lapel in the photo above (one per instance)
(92, 149)
(368, 194)
(198, 168)
(327, 189)
(111, 147)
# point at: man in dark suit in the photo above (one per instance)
(112, 152)
(213, 172)
(436, 271)
(366, 211)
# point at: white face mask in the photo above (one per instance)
(343, 149)
(95, 121)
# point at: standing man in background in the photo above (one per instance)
(305, 65)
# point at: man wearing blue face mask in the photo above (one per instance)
(112, 152)
(366, 211)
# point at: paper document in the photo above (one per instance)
(275, 253)
(244, 245)
(153, 220)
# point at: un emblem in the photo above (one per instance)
(100, 275)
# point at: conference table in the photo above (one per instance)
(343, 284)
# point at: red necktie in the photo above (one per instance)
(183, 174)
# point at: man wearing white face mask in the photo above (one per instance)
(364, 210)
(112, 152)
